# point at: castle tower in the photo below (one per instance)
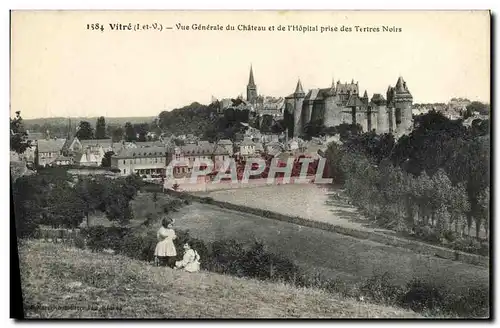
(402, 101)
(251, 88)
(298, 97)
(364, 99)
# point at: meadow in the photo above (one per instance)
(63, 282)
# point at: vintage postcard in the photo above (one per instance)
(250, 164)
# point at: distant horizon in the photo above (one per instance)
(61, 72)
(205, 104)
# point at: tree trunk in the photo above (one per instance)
(478, 227)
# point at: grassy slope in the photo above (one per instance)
(73, 283)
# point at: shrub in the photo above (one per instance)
(474, 304)
(422, 296)
(226, 257)
(380, 289)
(100, 237)
(260, 264)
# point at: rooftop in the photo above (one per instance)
(50, 145)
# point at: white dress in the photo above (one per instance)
(165, 246)
(190, 261)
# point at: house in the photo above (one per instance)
(87, 158)
(293, 145)
(274, 148)
(227, 144)
(143, 161)
(185, 157)
(93, 144)
(246, 148)
(48, 150)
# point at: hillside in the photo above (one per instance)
(63, 282)
(92, 120)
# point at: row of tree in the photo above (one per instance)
(129, 132)
(54, 200)
(436, 178)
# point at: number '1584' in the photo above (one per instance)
(95, 27)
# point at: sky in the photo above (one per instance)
(59, 67)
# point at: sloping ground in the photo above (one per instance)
(62, 282)
(332, 254)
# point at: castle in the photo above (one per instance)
(338, 104)
(342, 103)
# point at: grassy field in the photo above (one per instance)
(331, 254)
(141, 206)
(62, 282)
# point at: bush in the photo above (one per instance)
(474, 304)
(226, 257)
(380, 289)
(100, 237)
(422, 296)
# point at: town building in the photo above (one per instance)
(185, 157)
(48, 150)
(142, 161)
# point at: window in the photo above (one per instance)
(124, 171)
(124, 162)
(398, 116)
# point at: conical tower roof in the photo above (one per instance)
(365, 95)
(298, 89)
(251, 80)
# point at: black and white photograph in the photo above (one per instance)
(251, 164)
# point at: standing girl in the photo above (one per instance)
(165, 249)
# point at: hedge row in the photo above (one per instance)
(230, 257)
(413, 245)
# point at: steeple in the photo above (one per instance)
(251, 88)
(251, 81)
(298, 90)
(365, 95)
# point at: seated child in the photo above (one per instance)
(190, 261)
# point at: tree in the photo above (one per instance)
(130, 134)
(91, 194)
(85, 131)
(18, 135)
(141, 130)
(100, 128)
(477, 106)
(117, 134)
(106, 160)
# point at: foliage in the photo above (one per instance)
(194, 119)
(18, 135)
(477, 106)
(130, 134)
(85, 131)
(432, 183)
(106, 160)
(100, 128)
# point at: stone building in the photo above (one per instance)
(143, 161)
(342, 103)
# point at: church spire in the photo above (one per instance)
(298, 89)
(251, 88)
(251, 81)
